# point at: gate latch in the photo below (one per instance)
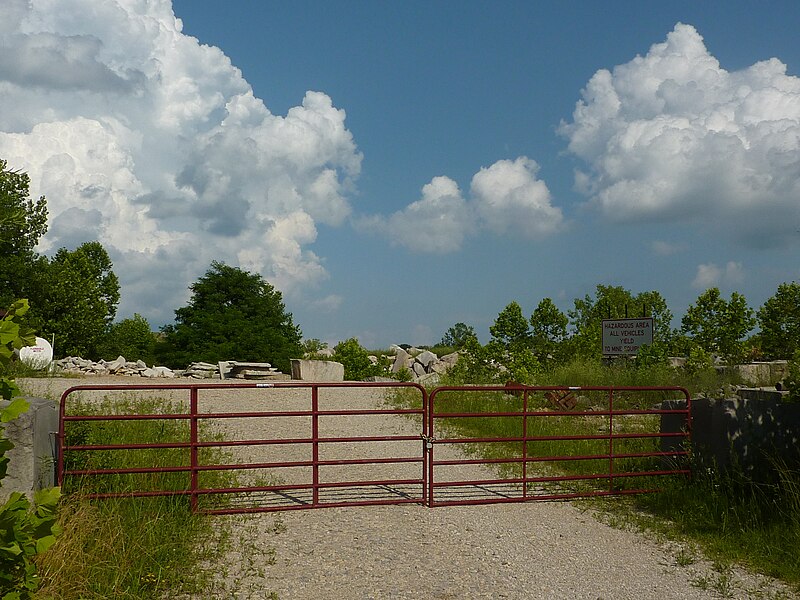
(428, 439)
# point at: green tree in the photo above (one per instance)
(232, 315)
(719, 326)
(313, 347)
(22, 222)
(357, 365)
(511, 327)
(131, 338)
(457, 336)
(548, 331)
(510, 345)
(779, 319)
(80, 300)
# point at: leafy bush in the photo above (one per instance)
(357, 365)
(131, 338)
(313, 347)
(25, 530)
(792, 379)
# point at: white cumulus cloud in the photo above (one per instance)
(438, 222)
(674, 136)
(711, 275)
(154, 144)
(506, 198)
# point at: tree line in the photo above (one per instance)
(236, 314)
(713, 327)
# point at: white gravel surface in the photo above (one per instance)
(534, 550)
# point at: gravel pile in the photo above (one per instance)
(537, 550)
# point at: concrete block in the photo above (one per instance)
(32, 460)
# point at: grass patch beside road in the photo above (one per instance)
(731, 518)
(135, 548)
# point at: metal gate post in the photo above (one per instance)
(193, 451)
(611, 440)
(427, 445)
(525, 444)
(315, 445)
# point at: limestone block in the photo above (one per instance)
(317, 370)
(429, 380)
(32, 460)
(426, 358)
(451, 358)
(401, 360)
(114, 365)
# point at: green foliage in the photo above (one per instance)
(80, 300)
(548, 331)
(511, 328)
(131, 338)
(232, 315)
(651, 355)
(510, 346)
(779, 319)
(698, 361)
(475, 366)
(357, 365)
(312, 348)
(458, 335)
(792, 379)
(14, 334)
(25, 530)
(719, 326)
(22, 222)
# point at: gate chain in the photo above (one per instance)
(428, 439)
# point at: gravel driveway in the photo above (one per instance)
(518, 551)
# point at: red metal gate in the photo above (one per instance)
(546, 443)
(288, 462)
(468, 445)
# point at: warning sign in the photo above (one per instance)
(626, 336)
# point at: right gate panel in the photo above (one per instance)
(513, 443)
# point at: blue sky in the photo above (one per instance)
(397, 167)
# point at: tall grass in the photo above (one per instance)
(129, 548)
(733, 518)
(625, 373)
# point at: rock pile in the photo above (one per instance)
(197, 370)
(425, 367)
(80, 366)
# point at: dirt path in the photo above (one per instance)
(518, 551)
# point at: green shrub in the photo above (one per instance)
(357, 365)
(131, 338)
(792, 379)
(25, 530)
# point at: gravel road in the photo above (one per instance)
(537, 550)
